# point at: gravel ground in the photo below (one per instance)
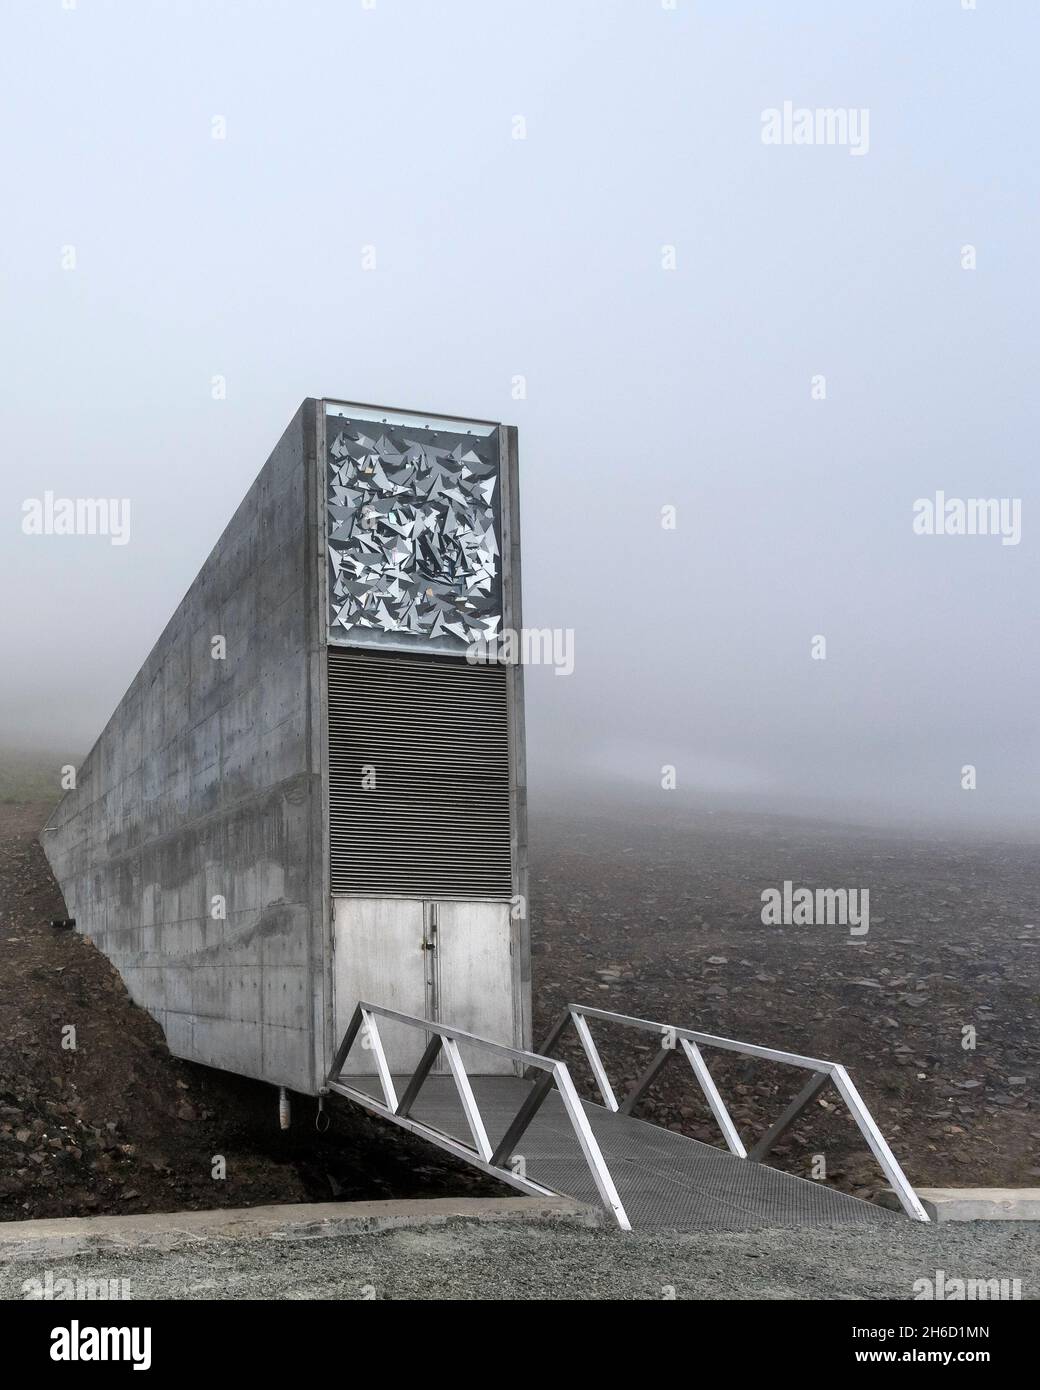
(558, 1260)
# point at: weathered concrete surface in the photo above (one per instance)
(297, 1221)
(204, 786)
(974, 1203)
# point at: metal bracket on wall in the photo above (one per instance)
(689, 1043)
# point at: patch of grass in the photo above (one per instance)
(31, 775)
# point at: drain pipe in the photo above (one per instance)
(284, 1110)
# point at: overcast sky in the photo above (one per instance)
(646, 387)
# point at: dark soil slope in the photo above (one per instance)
(118, 1124)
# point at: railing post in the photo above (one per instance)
(469, 1100)
(711, 1094)
(376, 1046)
(884, 1155)
(598, 1069)
(589, 1145)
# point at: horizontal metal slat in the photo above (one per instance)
(437, 820)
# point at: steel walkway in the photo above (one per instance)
(539, 1136)
(663, 1179)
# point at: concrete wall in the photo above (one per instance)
(513, 618)
(205, 782)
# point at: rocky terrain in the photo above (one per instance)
(657, 920)
(662, 920)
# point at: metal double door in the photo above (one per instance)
(447, 961)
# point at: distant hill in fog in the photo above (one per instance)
(32, 774)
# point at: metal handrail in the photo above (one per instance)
(491, 1158)
(690, 1042)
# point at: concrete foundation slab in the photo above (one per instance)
(291, 1221)
(975, 1203)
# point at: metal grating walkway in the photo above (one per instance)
(538, 1135)
(664, 1179)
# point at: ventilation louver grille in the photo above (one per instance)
(432, 733)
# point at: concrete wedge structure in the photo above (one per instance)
(310, 791)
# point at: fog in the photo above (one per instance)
(145, 258)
